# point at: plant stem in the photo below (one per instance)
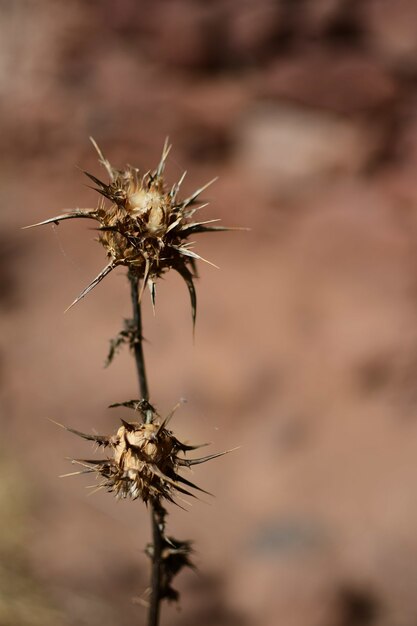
(158, 521)
(157, 511)
(138, 344)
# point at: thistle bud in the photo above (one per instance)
(146, 227)
(144, 463)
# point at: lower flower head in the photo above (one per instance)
(145, 462)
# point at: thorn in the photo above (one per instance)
(141, 602)
(193, 196)
(165, 151)
(200, 223)
(137, 405)
(96, 180)
(104, 191)
(191, 212)
(111, 229)
(145, 278)
(186, 448)
(103, 160)
(174, 224)
(181, 479)
(194, 269)
(56, 423)
(99, 488)
(152, 289)
(193, 255)
(86, 213)
(170, 481)
(190, 462)
(169, 417)
(188, 278)
(102, 440)
(76, 473)
(90, 463)
(129, 427)
(93, 283)
(209, 229)
(176, 187)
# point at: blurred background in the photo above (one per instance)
(306, 346)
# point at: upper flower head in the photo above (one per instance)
(146, 227)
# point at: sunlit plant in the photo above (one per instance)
(146, 227)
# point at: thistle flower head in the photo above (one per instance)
(144, 226)
(144, 462)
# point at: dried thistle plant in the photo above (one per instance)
(145, 228)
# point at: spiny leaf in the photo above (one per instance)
(190, 462)
(200, 228)
(176, 187)
(102, 440)
(170, 481)
(96, 180)
(106, 270)
(183, 480)
(186, 447)
(145, 278)
(169, 417)
(187, 252)
(165, 152)
(152, 289)
(129, 427)
(83, 213)
(196, 193)
(188, 278)
(103, 161)
(141, 405)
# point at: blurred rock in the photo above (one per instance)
(22, 600)
(355, 606)
(188, 35)
(253, 29)
(287, 149)
(346, 82)
(393, 32)
(207, 124)
(318, 15)
(306, 344)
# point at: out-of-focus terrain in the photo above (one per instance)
(306, 347)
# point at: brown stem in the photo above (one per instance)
(158, 525)
(157, 511)
(138, 344)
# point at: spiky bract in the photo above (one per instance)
(145, 462)
(146, 227)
